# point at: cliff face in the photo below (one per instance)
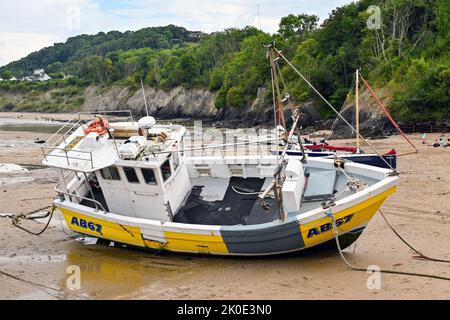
(188, 103)
(178, 102)
(372, 120)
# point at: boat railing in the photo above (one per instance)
(67, 156)
(70, 194)
(60, 136)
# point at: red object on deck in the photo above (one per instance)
(323, 146)
(390, 152)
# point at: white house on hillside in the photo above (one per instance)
(40, 75)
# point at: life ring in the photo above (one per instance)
(97, 125)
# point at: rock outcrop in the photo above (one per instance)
(196, 103)
(372, 120)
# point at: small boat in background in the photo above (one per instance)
(39, 141)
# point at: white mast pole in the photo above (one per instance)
(145, 99)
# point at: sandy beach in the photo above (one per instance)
(419, 210)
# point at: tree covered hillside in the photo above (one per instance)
(408, 56)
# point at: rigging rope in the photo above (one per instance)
(378, 121)
(281, 78)
(336, 121)
(386, 112)
(330, 215)
(333, 108)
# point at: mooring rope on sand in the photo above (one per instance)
(16, 219)
(329, 214)
(26, 215)
(35, 284)
(410, 246)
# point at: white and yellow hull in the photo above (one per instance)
(303, 231)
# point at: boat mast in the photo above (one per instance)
(145, 99)
(279, 106)
(357, 111)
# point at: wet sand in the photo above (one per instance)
(419, 210)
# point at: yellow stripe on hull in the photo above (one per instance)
(103, 228)
(195, 243)
(320, 230)
(312, 233)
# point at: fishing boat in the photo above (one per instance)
(137, 183)
(140, 190)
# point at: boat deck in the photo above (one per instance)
(235, 208)
(218, 203)
(235, 201)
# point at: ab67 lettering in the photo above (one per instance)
(328, 226)
(87, 225)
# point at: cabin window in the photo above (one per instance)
(165, 170)
(131, 175)
(110, 173)
(149, 176)
(175, 161)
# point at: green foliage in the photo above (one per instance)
(56, 75)
(55, 67)
(6, 74)
(293, 26)
(425, 93)
(409, 54)
(216, 79)
(246, 72)
(76, 48)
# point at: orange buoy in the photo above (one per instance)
(98, 125)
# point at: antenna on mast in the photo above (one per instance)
(259, 14)
(145, 99)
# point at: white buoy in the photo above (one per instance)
(146, 122)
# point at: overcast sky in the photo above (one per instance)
(29, 25)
